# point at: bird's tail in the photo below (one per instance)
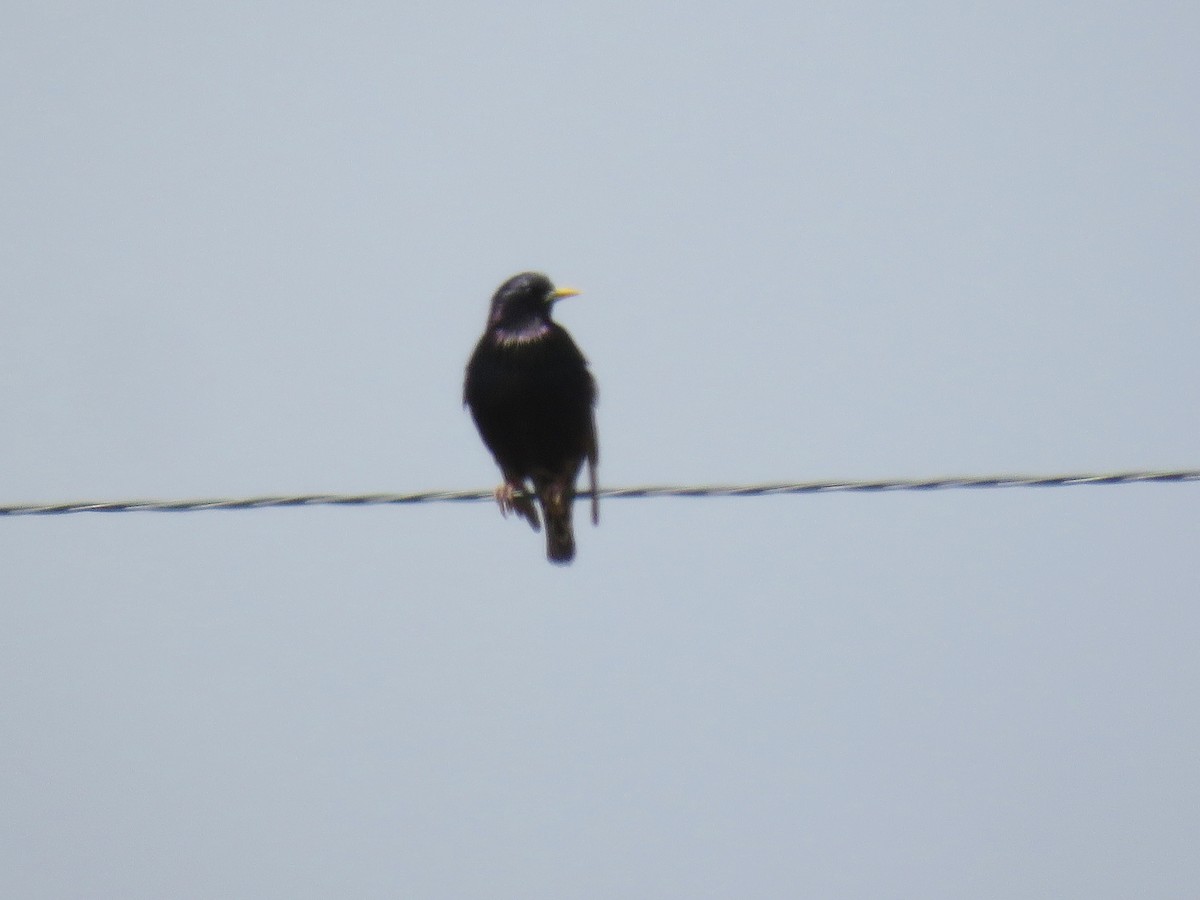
(557, 501)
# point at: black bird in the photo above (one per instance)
(532, 398)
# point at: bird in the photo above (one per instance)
(533, 398)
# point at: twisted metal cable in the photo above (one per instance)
(747, 490)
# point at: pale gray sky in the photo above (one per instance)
(247, 248)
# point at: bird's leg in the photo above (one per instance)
(512, 497)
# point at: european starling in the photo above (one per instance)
(532, 399)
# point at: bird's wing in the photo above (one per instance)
(593, 458)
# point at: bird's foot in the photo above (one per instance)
(513, 498)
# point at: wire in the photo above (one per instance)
(747, 490)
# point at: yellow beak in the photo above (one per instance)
(559, 293)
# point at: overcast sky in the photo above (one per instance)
(247, 248)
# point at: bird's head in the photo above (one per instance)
(521, 306)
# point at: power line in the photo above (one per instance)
(746, 490)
